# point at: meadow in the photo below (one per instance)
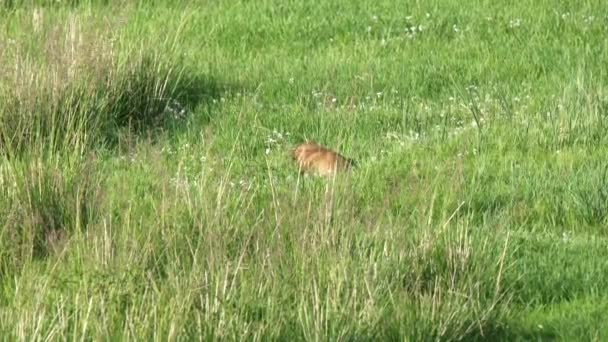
(147, 190)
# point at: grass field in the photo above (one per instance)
(147, 191)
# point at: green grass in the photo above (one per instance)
(146, 188)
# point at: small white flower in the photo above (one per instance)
(515, 23)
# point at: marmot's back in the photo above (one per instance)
(312, 157)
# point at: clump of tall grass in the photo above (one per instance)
(75, 88)
(79, 85)
(45, 200)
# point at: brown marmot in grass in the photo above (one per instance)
(314, 158)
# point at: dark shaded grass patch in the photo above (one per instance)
(555, 269)
(145, 96)
(45, 201)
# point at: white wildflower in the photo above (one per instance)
(515, 23)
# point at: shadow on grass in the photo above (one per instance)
(149, 101)
(143, 98)
(500, 332)
(481, 331)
